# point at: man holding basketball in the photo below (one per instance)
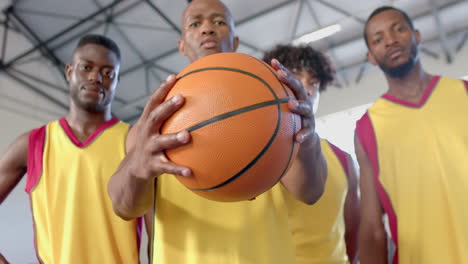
(68, 164)
(326, 232)
(188, 228)
(412, 147)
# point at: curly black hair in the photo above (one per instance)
(297, 58)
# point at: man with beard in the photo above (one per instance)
(412, 147)
(187, 227)
(69, 162)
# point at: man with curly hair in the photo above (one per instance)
(327, 231)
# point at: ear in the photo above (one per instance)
(236, 43)
(371, 58)
(68, 70)
(181, 46)
(417, 35)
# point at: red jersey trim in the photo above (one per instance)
(36, 142)
(68, 131)
(139, 230)
(366, 135)
(466, 85)
(341, 157)
(423, 100)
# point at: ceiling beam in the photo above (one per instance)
(441, 31)
(46, 52)
(163, 15)
(37, 91)
(63, 32)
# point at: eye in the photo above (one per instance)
(109, 74)
(85, 67)
(194, 24)
(219, 22)
(377, 40)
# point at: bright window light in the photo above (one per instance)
(338, 128)
(318, 34)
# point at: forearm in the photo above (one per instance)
(131, 196)
(351, 239)
(306, 178)
(372, 247)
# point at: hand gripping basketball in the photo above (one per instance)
(242, 129)
(148, 157)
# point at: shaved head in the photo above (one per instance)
(207, 28)
(203, 4)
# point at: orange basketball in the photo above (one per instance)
(241, 127)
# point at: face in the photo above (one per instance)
(93, 77)
(392, 43)
(311, 85)
(207, 28)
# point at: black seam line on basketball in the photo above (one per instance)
(233, 70)
(251, 163)
(293, 122)
(292, 148)
(281, 83)
(237, 112)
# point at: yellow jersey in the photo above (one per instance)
(67, 183)
(190, 229)
(319, 230)
(419, 158)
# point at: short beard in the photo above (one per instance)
(401, 71)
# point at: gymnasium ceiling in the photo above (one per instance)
(38, 36)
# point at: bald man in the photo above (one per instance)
(188, 228)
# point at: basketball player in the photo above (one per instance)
(191, 229)
(327, 231)
(69, 162)
(412, 147)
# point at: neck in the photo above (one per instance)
(410, 87)
(84, 123)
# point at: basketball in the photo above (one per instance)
(242, 130)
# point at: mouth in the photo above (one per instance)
(395, 53)
(208, 44)
(92, 89)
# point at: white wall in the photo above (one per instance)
(373, 84)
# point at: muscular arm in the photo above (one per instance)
(351, 212)
(13, 165)
(306, 178)
(131, 188)
(372, 236)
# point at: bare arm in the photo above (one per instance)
(13, 165)
(131, 188)
(372, 236)
(352, 212)
(306, 178)
(3, 260)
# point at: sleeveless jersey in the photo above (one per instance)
(190, 229)
(318, 230)
(419, 155)
(67, 183)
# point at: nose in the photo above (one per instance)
(207, 28)
(390, 39)
(95, 76)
